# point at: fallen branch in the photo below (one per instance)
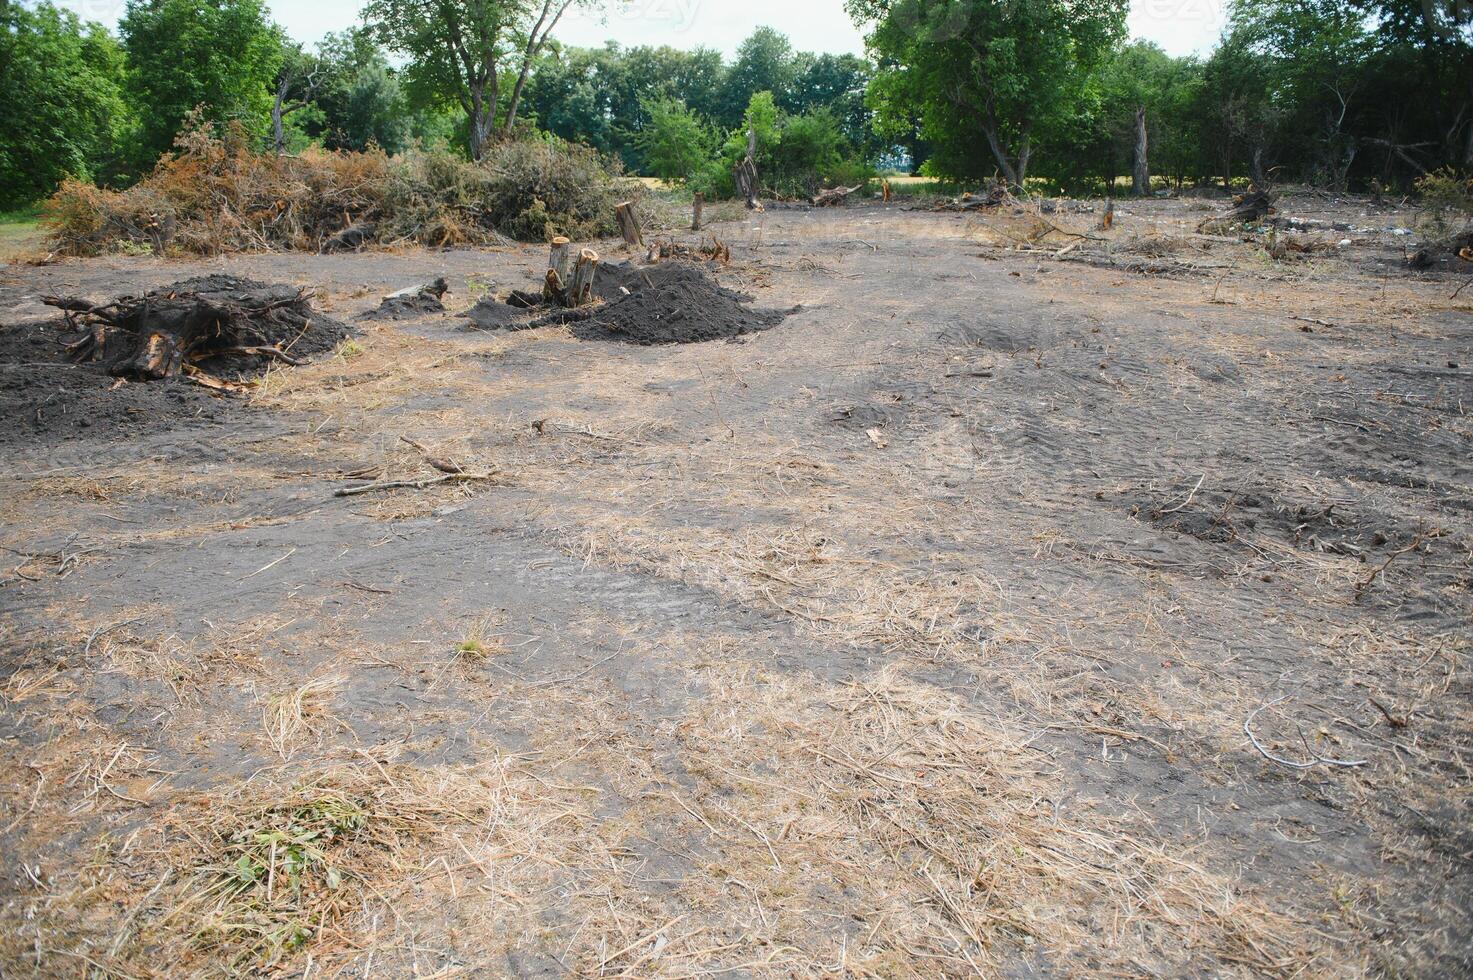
(414, 484)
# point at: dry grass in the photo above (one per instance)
(291, 715)
(936, 842)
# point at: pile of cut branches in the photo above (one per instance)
(217, 196)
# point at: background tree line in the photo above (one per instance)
(1342, 93)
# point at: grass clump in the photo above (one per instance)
(279, 882)
(216, 195)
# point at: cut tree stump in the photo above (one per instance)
(580, 292)
(629, 225)
(559, 271)
(697, 210)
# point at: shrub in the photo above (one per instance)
(1447, 202)
(214, 195)
(796, 155)
(675, 142)
(1446, 190)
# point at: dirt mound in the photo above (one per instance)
(1453, 252)
(411, 304)
(681, 304)
(669, 303)
(215, 325)
(45, 401)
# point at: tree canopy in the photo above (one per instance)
(217, 56)
(463, 51)
(991, 74)
(64, 105)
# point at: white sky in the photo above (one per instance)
(1179, 26)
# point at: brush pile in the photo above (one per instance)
(217, 196)
(1247, 208)
(201, 328)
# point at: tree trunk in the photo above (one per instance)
(481, 110)
(1255, 169)
(1010, 174)
(629, 224)
(697, 208)
(278, 118)
(745, 173)
(1468, 148)
(1140, 182)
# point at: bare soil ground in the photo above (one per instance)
(1023, 605)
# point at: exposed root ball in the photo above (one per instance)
(216, 325)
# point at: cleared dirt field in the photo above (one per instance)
(1100, 609)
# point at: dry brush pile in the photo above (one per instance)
(216, 195)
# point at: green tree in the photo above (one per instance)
(1315, 55)
(362, 101)
(63, 108)
(764, 63)
(218, 55)
(299, 79)
(463, 51)
(837, 83)
(1004, 71)
(675, 141)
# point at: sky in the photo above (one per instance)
(1179, 26)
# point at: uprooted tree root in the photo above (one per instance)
(217, 322)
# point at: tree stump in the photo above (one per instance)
(697, 208)
(745, 173)
(580, 292)
(629, 225)
(559, 271)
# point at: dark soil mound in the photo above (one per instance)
(670, 303)
(1453, 252)
(675, 304)
(494, 314)
(77, 378)
(44, 400)
(411, 305)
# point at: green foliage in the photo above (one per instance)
(476, 54)
(1012, 73)
(764, 63)
(220, 56)
(675, 142)
(63, 112)
(362, 102)
(1447, 190)
(796, 154)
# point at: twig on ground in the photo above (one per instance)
(1363, 587)
(1318, 759)
(1190, 497)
